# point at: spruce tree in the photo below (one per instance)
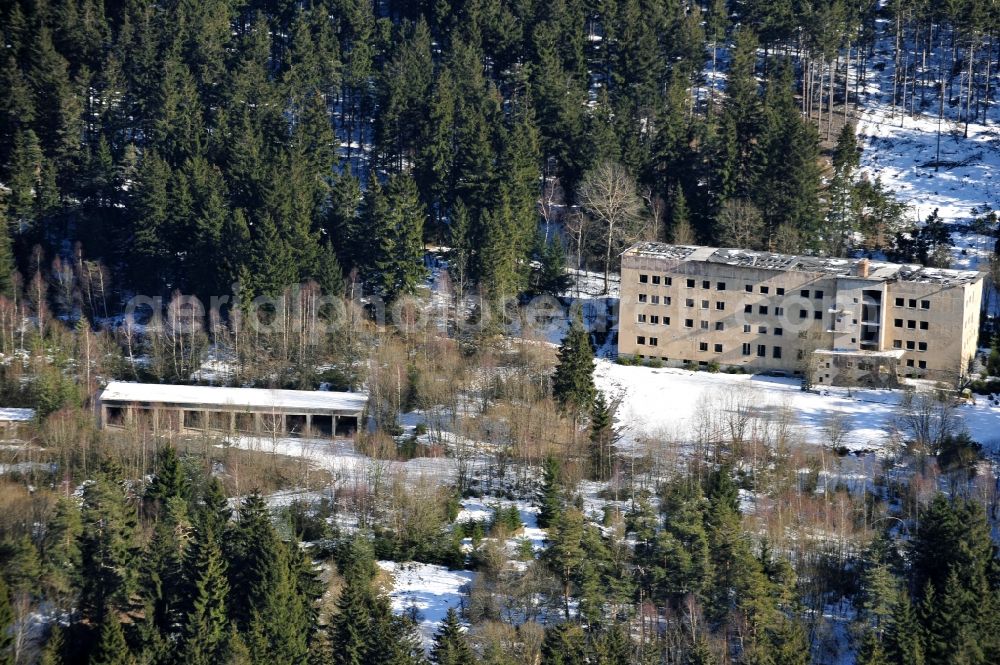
(108, 549)
(564, 644)
(565, 552)
(904, 635)
(162, 566)
(6, 625)
(551, 493)
(6, 257)
(206, 622)
(551, 278)
(393, 217)
(214, 513)
(602, 438)
(700, 654)
(871, 651)
(352, 627)
(738, 154)
(111, 646)
(450, 646)
(169, 481)
(573, 381)
(52, 652)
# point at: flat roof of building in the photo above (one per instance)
(877, 270)
(252, 399)
(9, 414)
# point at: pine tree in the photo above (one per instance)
(270, 266)
(738, 152)
(573, 381)
(25, 166)
(22, 567)
(450, 646)
(436, 154)
(612, 646)
(267, 596)
(793, 164)
(57, 106)
(343, 223)
(878, 595)
(842, 215)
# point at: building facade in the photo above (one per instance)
(835, 321)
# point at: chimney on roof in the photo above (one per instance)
(862, 267)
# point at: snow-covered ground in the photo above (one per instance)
(347, 465)
(426, 592)
(675, 403)
(902, 150)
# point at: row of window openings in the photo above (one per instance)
(912, 303)
(721, 286)
(654, 299)
(747, 349)
(655, 319)
(912, 325)
(910, 345)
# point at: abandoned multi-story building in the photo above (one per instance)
(834, 321)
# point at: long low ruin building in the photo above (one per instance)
(244, 410)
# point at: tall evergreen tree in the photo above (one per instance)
(206, 620)
(6, 625)
(565, 552)
(108, 549)
(573, 380)
(551, 493)
(564, 644)
(602, 438)
(393, 216)
(111, 646)
(450, 646)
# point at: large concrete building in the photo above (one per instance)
(231, 410)
(837, 321)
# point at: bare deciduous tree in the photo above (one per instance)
(740, 224)
(608, 195)
(551, 204)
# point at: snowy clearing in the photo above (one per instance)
(425, 592)
(668, 402)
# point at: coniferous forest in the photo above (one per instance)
(348, 162)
